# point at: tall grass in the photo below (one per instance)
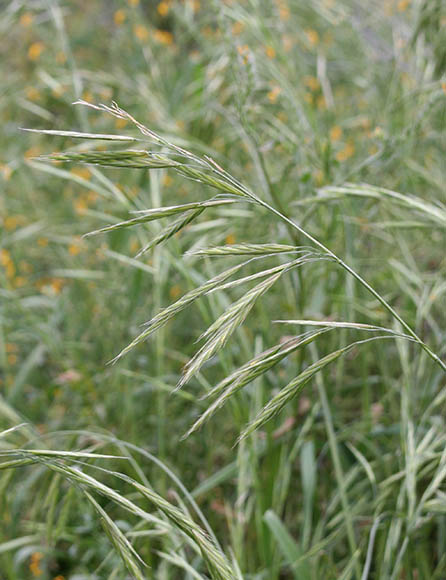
(276, 168)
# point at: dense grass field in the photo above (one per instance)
(276, 404)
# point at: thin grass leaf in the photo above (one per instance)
(218, 565)
(288, 547)
(180, 562)
(80, 135)
(436, 212)
(123, 547)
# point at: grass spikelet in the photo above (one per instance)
(219, 332)
(159, 213)
(163, 317)
(244, 250)
(122, 546)
(249, 371)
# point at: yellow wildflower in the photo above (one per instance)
(11, 223)
(82, 172)
(312, 36)
(175, 291)
(167, 180)
(335, 133)
(133, 2)
(80, 206)
(163, 8)
(35, 50)
(34, 565)
(141, 32)
(346, 152)
(5, 257)
(42, 242)
(26, 19)
(6, 171)
(312, 83)
(270, 51)
(237, 28)
(57, 285)
(119, 17)
(274, 93)
(163, 37)
(230, 239)
(403, 5)
(32, 93)
(12, 359)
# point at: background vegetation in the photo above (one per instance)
(295, 100)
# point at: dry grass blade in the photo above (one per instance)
(219, 332)
(251, 370)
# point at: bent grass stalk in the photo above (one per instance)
(207, 171)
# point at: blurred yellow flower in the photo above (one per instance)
(119, 17)
(11, 223)
(237, 28)
(74, 249)
(34, 565)
(403, 5)
(6, 171)
(133, 2)
(163, 8)
(5, 257)
(175, 291)
(82, 172)
(274, 93)
(335, 133)
(312, 83)
(35, 50)
(312, 36)
(230, 239)
(163, 37)
(120, 123)
(32, 94)
(80, 206)
(26, 19)
(167, 180)
(42, 242)
(270, 51)
(141, 32)
(346, 152)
